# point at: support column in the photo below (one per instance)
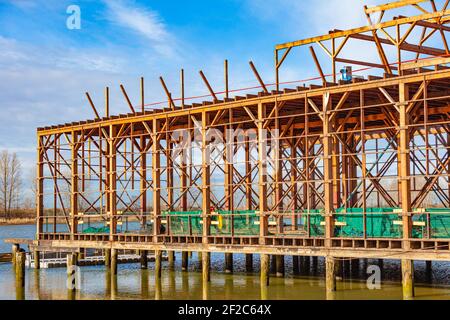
(206, 178)
(20, 275)
(40, 187)
(114, 255)
(264, 270)
(330, 276)
(184, 261)
(249, 262)
(206, 262)
(262, 173)
(37, 259)
(408, 279)
(112, 182)
(295, 268)
(74, 185)
(228, 262)
(15, 248)
(156, 175)
(171, 259)
(328, 170)
(158, 259)
(280, 266)
(405, 166)
(107, 258)
(144, 259)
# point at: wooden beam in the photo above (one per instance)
(127, 99)
(319, 68)
(211, 91)
(258, 77)
(392, 5)
(97, 116)
(168, 94)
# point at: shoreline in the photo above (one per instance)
(17, 222)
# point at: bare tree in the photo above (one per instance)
(10, 182)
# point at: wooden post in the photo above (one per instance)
(264, 270)
(249, 262)
(295, 268)
(40, 187)
(404, 175)
(37, 259)
(171, 259)
(408, 279)
(206, 262)
(74, 185)
(184, 261)
(206, 179)
(107, 258)
(327, 168)
(112, 182)
(156, 174)
(20, 275)
(330, 277)
(228, 263)
(280, 265)
(14, 250)
(199, 257)
(114, 262)
(262, 173)
(158, 258)
(144, 259)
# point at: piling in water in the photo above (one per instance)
(264, 270)
(228, 262)
(171, 259)
(144, 259)
(37, 259)
(280, 266)
(20, 275)
(408, 279)
(249, 262)
(206, 263)
(114, 255)
(184, 261)
(107, 258)
(158, 258)
(295, 269)
(330, 274)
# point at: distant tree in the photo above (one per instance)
(10, 182)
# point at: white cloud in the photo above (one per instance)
(143, 21)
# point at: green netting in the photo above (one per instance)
(185, 222)
(244, 222)
(96, 230)
(439, 224)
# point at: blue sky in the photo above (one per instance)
(46, 68)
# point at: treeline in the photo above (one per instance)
(13, 201)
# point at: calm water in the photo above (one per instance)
(133, 283)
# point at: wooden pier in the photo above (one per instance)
(344, 169)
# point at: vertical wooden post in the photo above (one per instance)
(37, 259)
(156, 174)
(330, 277)
(206, 262)
(74, 185)
(107, 258)
(327, 171)
(144, 259)
(158, 258)
(278, 172)
(264, 269)
(408, 279)
(142, 95)
(171, 259)
(20, 275)
(112, 187)
(226, 79)
(228, 262)
(249, 262)
(143, 182)
(295, 268)
(107, 102)
(262, 173)
(114, 256)
(280, 265)
(405, 165)
(206, 179)
(184, 261)
(14, 249)
(40, 187)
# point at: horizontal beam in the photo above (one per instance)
(378, 26)
(392, 5)
(425, 63)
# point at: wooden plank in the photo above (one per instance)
(425, 63)
(392, 5)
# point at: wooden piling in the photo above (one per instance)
(37, 259)
(107, 258)
(273, 264)
(228, 263)
(295, 268)
(249, 262)
(265, 270)
(280, 266)
(158, 259)
(113, 268)
(171, 259)
(144, 259)
(184, 261)
(206, 263)
(14, 250)
(330, 276)
(408, 279)
(20, 274)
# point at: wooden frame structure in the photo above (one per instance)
(383, 141)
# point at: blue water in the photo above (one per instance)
(20, 231)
